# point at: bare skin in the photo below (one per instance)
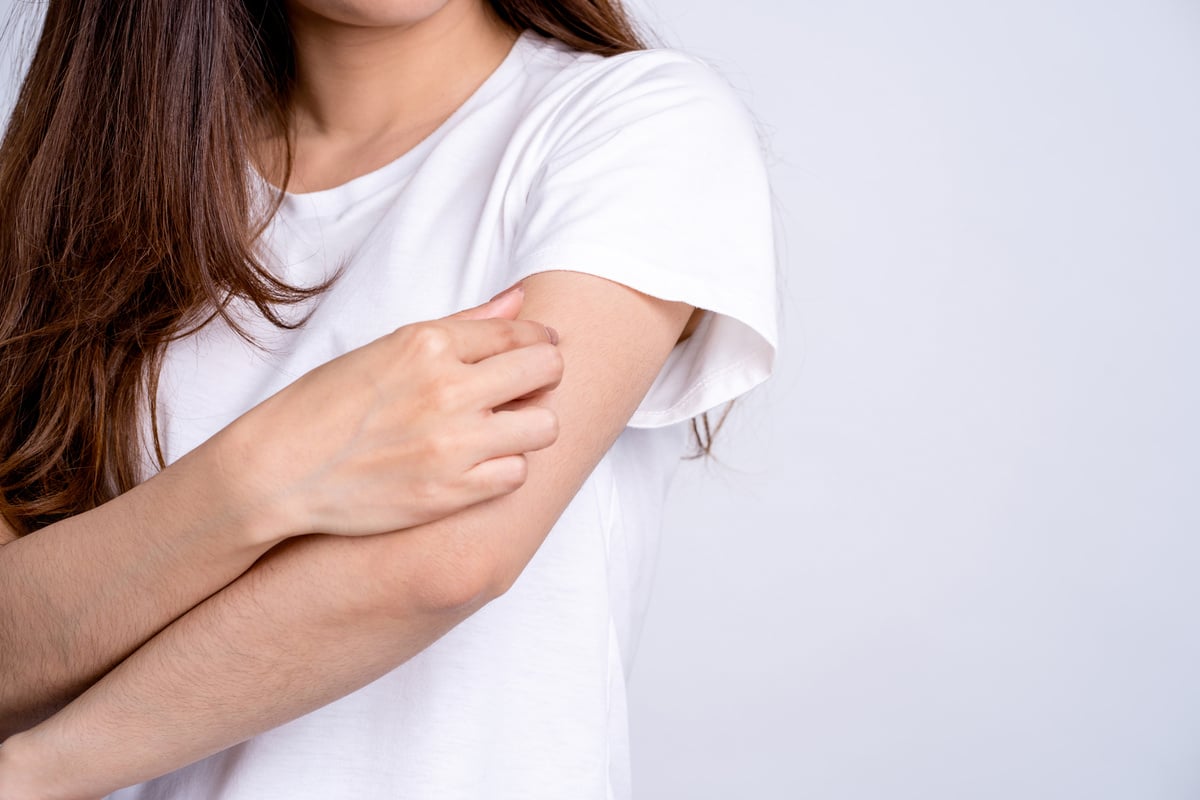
(369, 596)
(80, 595)
(374, 79)
(390, 594)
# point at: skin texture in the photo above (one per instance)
(82, 594)
(265, 648)
(368, 596)
(375, 78)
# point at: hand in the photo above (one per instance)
(407, 429)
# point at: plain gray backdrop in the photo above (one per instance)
(955, 550)
(951, 550)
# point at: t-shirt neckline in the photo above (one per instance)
(335, 198)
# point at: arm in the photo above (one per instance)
(237, 664)
(80, 595)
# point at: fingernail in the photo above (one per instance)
(553, 334)
(518, 289)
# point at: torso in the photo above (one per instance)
(528, 693)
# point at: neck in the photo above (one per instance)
(358, 84)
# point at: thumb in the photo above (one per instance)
(505, 305)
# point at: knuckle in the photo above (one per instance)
(509, 337)
(429, 339)
(533, 331)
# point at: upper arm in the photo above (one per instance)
(649, 185)
(613, 340)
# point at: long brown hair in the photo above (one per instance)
(127, 221)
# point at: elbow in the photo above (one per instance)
(458, 586)
(413, 575)
(502, 574)
(481, 577)
(441, 575)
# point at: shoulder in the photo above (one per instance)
(631, 86)
(652, 98)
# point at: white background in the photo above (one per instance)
(955, 549)
(952, 550)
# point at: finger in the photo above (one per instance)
(479, 339)
(507, 433)
(517, 373)
(497, 476)
(505, 305)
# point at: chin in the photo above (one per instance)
(371, 13)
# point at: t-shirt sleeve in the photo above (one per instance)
(654, 178)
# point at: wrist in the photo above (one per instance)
(215, 484)
(234, 490)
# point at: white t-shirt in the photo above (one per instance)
(642, 168)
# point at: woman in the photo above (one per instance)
(363, 561)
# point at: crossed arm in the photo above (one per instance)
(234, 666)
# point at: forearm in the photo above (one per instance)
(315, 619)
(270, 647)
(79, 596)
(389, 435)
(292, 634)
